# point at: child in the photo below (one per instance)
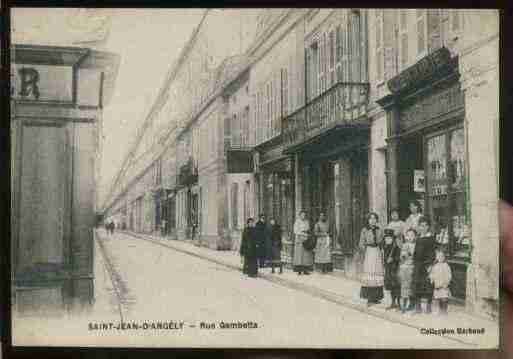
(396, 225)
(440, 276)
(391, 255)
(406, 269)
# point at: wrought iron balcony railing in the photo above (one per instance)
(344, 104)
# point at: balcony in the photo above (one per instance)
(188, 174)
(343, 105)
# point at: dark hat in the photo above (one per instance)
(389, 233)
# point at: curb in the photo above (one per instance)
(316, 292)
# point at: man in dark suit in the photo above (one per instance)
(263, 234)
(423, 258)
(248, 249)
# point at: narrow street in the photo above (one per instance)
(159, 284)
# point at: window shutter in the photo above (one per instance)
(379, 45)
(434, 31)
(421, 32)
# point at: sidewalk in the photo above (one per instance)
(335, 288)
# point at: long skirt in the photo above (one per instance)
(302, 257)
(373, 275)
(275, 254)
(422, 287)
(392, 279)
(250, 265)
(405, 276)
(323, 250)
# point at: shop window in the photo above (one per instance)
(446, 179)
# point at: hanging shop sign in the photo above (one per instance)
(42, 83)
(419, 181)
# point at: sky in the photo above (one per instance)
(147, 40)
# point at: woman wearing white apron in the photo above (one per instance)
(303, 258)
(373, 275)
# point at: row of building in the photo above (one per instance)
(343, 111)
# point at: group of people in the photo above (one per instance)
(261, 246)
(110, 227)
(404, 259)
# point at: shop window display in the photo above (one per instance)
(446, 181)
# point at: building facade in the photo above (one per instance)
(57, 97)
(344, 112)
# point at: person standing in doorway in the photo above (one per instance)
(323, 246)
(423, 259)
(248, 249)
(263, 234)
(396, 225)
(276, 246)
(303, 258)
(412, 221)
(373, 271)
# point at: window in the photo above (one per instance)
(247, 200)
(403, 39)
(235, 205)
(446, 180)
(235, 131)
(379, 45)
(421, 32)
(268, 112)
(285, 87)
(339, 53)
(313, 69)
(332, 57)
(245, 123)
(454, 19)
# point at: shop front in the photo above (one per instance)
(334, 181)
(427, 154)
(276, 190)
(329, 140)
(57, 94)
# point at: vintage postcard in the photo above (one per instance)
(255, 178)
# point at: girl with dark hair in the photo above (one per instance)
(396, 225)
(412, 221)
(373, 271)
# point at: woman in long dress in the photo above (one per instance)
(248, 249)
(303, 258)
(322, 249)
(276, 246)
(373, 274)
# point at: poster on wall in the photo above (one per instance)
(419, 181)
